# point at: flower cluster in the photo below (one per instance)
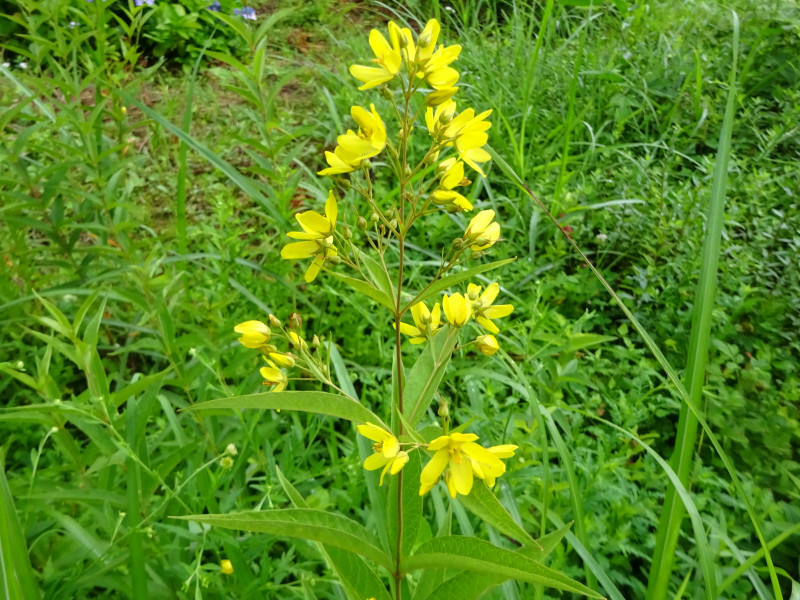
(259, 336)
(456, 456)
(414, 77)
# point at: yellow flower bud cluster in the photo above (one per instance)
(257, 335)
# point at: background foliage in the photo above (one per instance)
(127, 257)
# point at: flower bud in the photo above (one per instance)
(347, 233)
(361, 223)
(374, 217)
(386, 92)
(458, 244)
(273, 320)
(315, 343)
(226, 462)
(231, 450)
(335, 259)
(443, 411)
(390, 213)
(123, 110)
(226, 567)
(393, 223)
(407, 170)
(295, 321)
(487, 344)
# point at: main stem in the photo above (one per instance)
(401, 235)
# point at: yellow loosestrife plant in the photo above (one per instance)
(412, 80)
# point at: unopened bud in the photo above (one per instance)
(274, 321)
(386, 92)
(393, 223)
(335, 259)
(361, 223)
(487, 344)
(123, 110)
(295, 321)
(226, 462)
(407, 170)
(231, 450)
(315, 343)
(424, 39)
(443, 411)
(374, 217)
(347, 233)
(390, 212)
(458, 244)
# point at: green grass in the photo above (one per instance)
(132, 243)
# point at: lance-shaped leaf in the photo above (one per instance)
(478, 556)
(456, 278)
(358, 579)
(366, 288)
(482, 502)
(323, 403)
(18, 578)
(426, 374)
(305, 523)
(469, 586)
(412, 505)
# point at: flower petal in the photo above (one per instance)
(373, 432)
(376, 461)
(299, 250)
(433, 470)
(461, 473)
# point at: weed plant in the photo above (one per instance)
(142, 214)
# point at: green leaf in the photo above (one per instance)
(18, 578)
(305, 523)
(369, 290)
(482, 502)
(358, 579)
(451, 280)
(468, 586)
(323, 403)
(412, 505)
(426, 374)
(378, 274)
(472, 554)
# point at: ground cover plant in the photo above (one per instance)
(145, 203)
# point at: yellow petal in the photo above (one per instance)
(503, 450)
(314, 268)
(375, 461)
(481, 454)
(499, 311)
(299, 250)
(490, 294)
(409, 329)
(443, 78)
(451, 484)
(313, 222)
(373, 432)
(436, 317)
(371, 76)
(390, 447)
(331, 209)
(461, 473)
(433, 470)
(440, 442)
(487, 324)
(399, 462)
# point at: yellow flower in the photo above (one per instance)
(387, 59)
(354, 148)
(489, 471)
(274, 376)
(482, 306)
(467, 133)
(438, 97)
(317, 237)
(426, 42)
(457, 309)
(255, 334)
(457, 452)
(452, 176)
(282, 360)
(403, 41)
(297, 342)
(482, 232)
(226, 566)
(427, 322)
(387, 450)
(437, 120)
(487, 344)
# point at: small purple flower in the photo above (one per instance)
(144, 2)
(214, 7)
(247, 12)
(73, 24)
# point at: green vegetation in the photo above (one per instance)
(150, 171)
